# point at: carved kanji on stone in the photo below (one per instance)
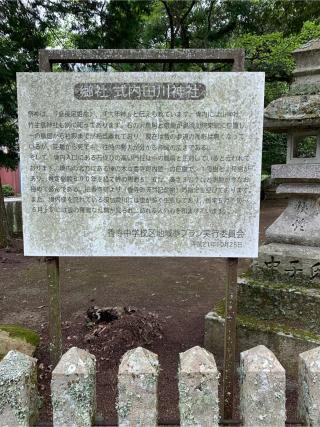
(315, 270)
(299, 224)
(272, 265)
(294, 270)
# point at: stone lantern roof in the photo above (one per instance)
(301, 107)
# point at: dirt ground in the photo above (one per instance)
(178, 292)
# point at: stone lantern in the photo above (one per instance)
(293, 240)
(279, 298)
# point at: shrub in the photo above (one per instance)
(7, 190)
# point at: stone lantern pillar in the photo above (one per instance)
(293, 240)
(279, 298)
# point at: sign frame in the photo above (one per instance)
(236, 57)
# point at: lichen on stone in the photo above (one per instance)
(18, 387)
(255, 324)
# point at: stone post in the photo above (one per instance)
(18, 390)
(309, 387)
(73, 389)
(137, 389)
(198, 389)
(262, 388)
(14, 215)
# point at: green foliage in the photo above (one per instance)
(274, 150)
(21, 35)
(306, 147)
(272, 54)
(7, 190)
(289, 16)
(269, 30)
(97, 24)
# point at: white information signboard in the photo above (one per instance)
(141, 164)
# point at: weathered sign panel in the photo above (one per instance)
(141, 164)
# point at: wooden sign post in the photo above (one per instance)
(234, 56)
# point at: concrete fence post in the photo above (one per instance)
(309, 387)
(262, 388)
(73, 389)
(198, 389)
(137, 389)
(19, 400)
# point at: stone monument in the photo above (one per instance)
(279, 299)
(293, 249)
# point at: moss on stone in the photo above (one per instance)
(266, 280)
(17, 331)
(281, 302)
(305, 89)
(278, 281)
(253, 323)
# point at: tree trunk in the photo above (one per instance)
(4, 227)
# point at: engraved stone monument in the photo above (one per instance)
(279, 300)
(293, 249)
(140, 164)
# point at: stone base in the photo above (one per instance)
(285, 343)
(289, 262)
(299, 224)
(280, 301)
